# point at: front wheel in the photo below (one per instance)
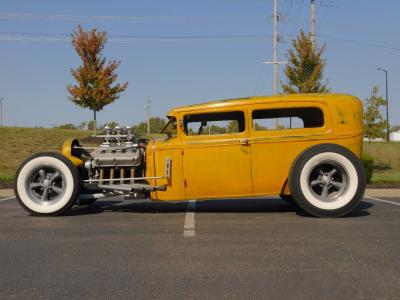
(327, 181)
(47, 183)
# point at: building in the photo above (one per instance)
(395, 136)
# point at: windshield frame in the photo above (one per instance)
(169, 129)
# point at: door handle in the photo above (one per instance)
(245, 142)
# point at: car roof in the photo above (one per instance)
(258, 100)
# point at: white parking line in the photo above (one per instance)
(381, 200)
(5, 199)
(189, 227)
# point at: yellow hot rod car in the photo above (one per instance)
(304, 148)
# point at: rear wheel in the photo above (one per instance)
(327, 181)
(47, 183)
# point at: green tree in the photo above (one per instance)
(213, 129)
(91, 125)
(233, 126)
(304, 71)
(66, 126)
(95, 78)
(140, 128)
(259, 127)
(82, 126)
(156, 124)
(374, 122)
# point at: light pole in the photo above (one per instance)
(387, 102)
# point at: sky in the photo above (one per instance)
(180, 52)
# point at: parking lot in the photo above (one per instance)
(233, 249)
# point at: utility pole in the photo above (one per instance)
(276, 39)
(313, 35)
(148, 105)
(1, 111)
(387, 109)
(276, 62)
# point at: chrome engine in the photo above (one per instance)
(118, 164)
(119, 159)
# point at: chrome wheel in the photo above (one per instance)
(328, 180)
(45, 185)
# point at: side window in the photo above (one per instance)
(214, 123)
(287, 118)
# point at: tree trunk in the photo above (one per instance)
(94, 123)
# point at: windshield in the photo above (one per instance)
(170, 128)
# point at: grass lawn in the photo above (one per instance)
(18, 143)
(387, 161)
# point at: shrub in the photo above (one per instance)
(368, 163)
(66, 126)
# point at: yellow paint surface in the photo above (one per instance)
(221, 166)
(66, 151)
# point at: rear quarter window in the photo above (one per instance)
(287, 118)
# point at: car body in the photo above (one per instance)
(243, 147)
(251, 162)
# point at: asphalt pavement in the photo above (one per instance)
(227, 249)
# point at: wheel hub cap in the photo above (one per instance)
(46, 183)
(327, 181)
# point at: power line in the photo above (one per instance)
(324, 3)
(137, 36)
(64, 37)
(127, 19)
(358, 42)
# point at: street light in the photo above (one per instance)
(387, 102)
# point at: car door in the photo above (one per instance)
(279, 133)
(216, 154)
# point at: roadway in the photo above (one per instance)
(233, 249)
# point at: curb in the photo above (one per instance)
(5, 193)
(382, 193)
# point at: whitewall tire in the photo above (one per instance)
(47, 183)
(327, 181)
